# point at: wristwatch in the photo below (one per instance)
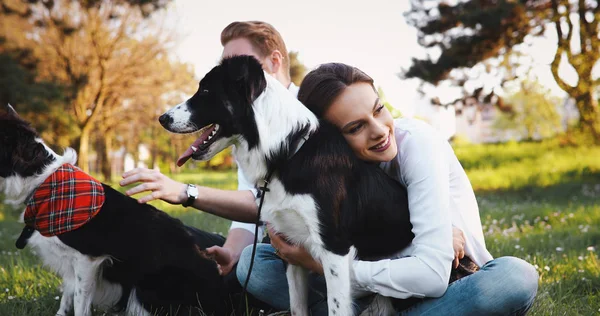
(192, 193)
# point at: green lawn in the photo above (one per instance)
(538, 202)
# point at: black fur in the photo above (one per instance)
(245, 82)
(358, 203)
(152, 252)
(19, 152)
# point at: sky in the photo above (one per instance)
(371, 35)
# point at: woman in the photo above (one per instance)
(440, 197)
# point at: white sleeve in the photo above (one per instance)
(244, 184)
(426, 271)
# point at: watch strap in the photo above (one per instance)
(191, 198)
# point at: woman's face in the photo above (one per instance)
(365, 123)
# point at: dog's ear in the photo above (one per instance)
(11, 111)
(242, 68)
(30, 157)
(248, 76)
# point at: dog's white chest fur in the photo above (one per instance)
(82, 285)
(294, 214)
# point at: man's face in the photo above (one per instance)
(242, 46)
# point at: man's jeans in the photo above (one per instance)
(504, 286)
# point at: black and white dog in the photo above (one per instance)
(130, 257)
(321, 195)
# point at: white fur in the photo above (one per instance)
(134, 307)
(380, 306)
(17, 188)
(82, 284)
(278, 113)
(181, 118)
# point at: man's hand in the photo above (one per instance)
(458, 243)
(293, 254)
(223, 257)
(161, 186)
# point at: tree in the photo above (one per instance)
(18, 77)
(297, 69)
(394, 111)
(534, 114)
(101, 51)
(489, 33)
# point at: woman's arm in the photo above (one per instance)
(425, 273)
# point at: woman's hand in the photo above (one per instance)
(293, 254)
(458, 243)
(161, 186)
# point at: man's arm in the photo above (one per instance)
(240, 235)
(234, 205)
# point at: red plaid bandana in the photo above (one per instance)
(66, 200)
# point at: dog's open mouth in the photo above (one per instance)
(208, 135)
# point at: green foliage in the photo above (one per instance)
(488, 29)
(515, 166)
(538, 202)
(555, 229)
(297, 68)
(490, 34)
(394, 111)
(534, 112)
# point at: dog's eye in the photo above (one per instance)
(205, 91)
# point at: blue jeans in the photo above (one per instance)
(503, 286)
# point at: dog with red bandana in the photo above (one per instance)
(109, 250)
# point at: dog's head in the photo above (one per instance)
(221, 110)
(23, 155)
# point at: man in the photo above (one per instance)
(262, 41)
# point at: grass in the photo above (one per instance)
(538, 202)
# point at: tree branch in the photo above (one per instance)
(584, 27)
(560, 49)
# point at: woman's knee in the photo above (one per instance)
(521, 275)
(513, 284)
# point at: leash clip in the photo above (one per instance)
(264, 186)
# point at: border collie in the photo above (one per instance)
(129, 257)
(320, 194)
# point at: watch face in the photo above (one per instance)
(192, 191)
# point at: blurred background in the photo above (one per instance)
(514, 85)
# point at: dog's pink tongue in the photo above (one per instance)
(185, 157)
(188, 152)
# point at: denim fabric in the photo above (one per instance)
(503, 286)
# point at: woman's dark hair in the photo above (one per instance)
(323, 85)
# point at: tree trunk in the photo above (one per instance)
(589, 113)
(84, 147)
(153, 149)
(104, 154)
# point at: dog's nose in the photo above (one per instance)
(165, 120)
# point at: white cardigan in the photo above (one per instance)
(440, 196)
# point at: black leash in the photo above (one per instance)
(263, 190)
